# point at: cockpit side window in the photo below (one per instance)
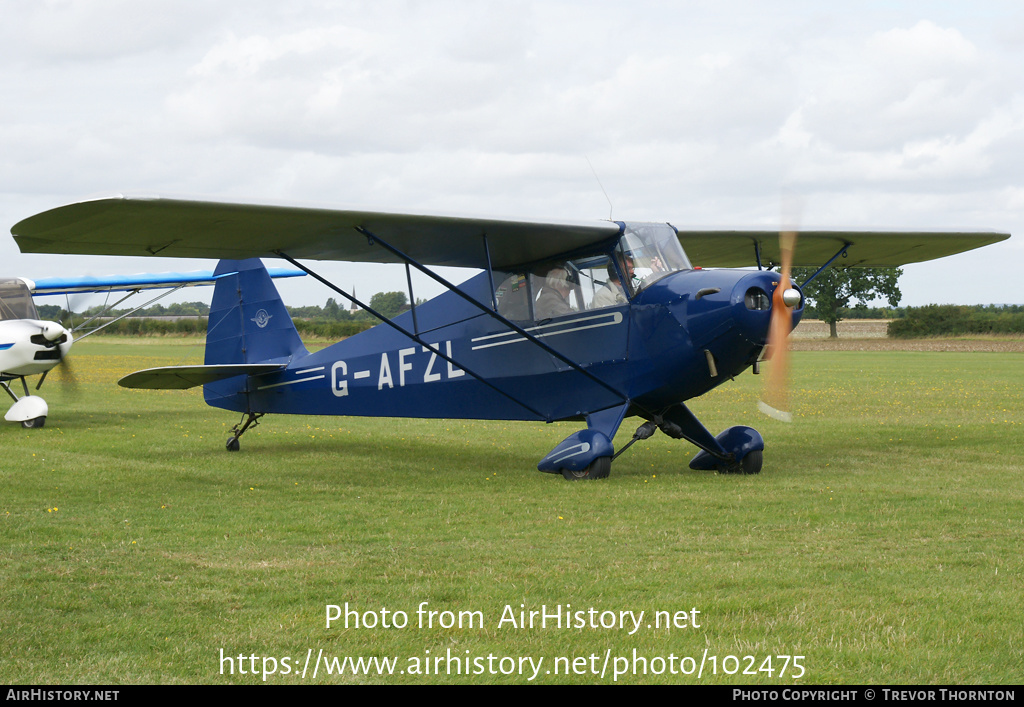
(585, 283)
(600, 283)
(650, 251)
(16, 300)
(645, 253)
(513, 297)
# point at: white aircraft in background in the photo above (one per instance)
(30, 346)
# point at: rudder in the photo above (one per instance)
(248, 324)
(248, 321)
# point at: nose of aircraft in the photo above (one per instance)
(752, 304)
(57, 336)
(53, 331)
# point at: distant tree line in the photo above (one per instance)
(830, 295)
(860, 311)
(53, 312)
(958, 320)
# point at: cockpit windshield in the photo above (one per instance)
(649, 252)
(16, 300)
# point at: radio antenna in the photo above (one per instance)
(610, 206)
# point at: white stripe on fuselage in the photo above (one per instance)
(611, 319)
(298, 380)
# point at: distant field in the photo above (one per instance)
(882, 541)
(847, 329)
(870, 335)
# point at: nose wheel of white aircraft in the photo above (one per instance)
(29, 410)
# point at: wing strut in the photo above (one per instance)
(491, 313)
(842, 252)
(412, 335)
(106, 309)
(490, 274)
(412, 299)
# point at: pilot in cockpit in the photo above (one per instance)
(613, 294)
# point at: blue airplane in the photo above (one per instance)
(594, 322)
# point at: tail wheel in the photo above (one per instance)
(600, 468)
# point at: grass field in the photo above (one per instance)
(882, 541)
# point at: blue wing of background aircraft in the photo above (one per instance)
(140, 281)
(130, 284)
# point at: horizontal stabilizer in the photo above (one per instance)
(182, 377)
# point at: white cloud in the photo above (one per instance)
(908, 115)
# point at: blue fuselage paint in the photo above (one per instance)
(652, 351)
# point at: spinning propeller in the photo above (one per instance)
(55, 335)
(775, 401)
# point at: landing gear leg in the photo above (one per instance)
(238, 430)
(9, 391)
(737, 450)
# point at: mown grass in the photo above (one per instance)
(881, 541)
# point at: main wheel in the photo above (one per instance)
(233, 445)
(35, 422)
(752, 462)
(598, 469)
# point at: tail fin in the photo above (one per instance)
(248, 321)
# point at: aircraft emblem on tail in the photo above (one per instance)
(262, 318)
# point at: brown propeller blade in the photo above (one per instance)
(775, 402)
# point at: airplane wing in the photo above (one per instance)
(876, 249)
(123, 225)
(178, 228)
(130, 283)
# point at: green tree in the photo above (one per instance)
(389, 304)
(833, 290)
(332, 312)
(50, 312)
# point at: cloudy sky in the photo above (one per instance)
(876, 114)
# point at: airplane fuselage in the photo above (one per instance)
(678, 338)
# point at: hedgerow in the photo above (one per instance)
(956, 320)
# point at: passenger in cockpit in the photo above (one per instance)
(553, 300)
